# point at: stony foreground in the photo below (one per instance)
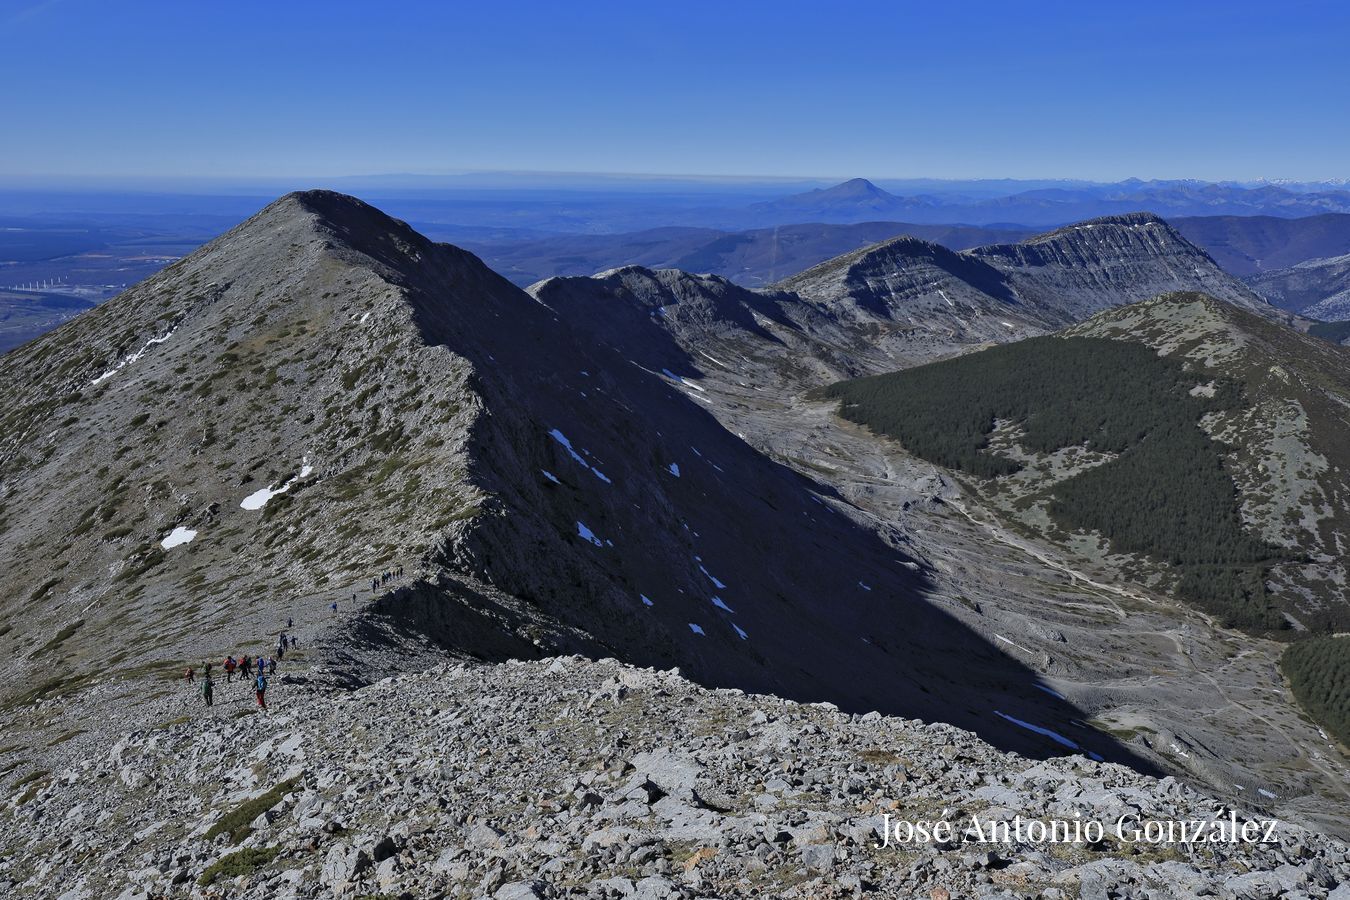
(571, 778)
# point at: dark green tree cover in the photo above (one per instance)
(1166, 495)
(1318, 670)
(1331, 331)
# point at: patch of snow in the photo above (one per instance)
(716, 583)
(178, 536)
(364, 316)
(695, 628)
(567, 445)
(1053, 735)
(645, 601)
(587, 535)
(740, 631)
(717, 602)
(550, 476)
(714, 359)
(259, 498)
(1010, 643)
(1050, 691)
(675, 469)
(1265, 793)
(864, 586)
(132, 357)
(681, 379)
(562, 439)
(1007, 324)
(1096, 757)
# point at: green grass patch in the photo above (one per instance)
(236, 822)
(241, 862)
(61, 637)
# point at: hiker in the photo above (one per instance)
(400, 571)
(245, 667)
(281, 651)
(334, 607)
(271, 667)
(374, 585)
(207, 672)
(188, 675)
(259, 689)
(262, 665)
(229, 668)
(295, 642)
(208, 690)
(290, 623)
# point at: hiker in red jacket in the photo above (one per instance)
(229, 668)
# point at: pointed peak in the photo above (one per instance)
(340, 212)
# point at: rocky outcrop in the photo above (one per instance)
(568, 778)
(1084, 268)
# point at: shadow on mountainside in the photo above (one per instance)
(624, 520)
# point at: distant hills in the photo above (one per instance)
(752, 258)
(1250, 245)
(859, 200)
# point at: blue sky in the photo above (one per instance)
(884, 90)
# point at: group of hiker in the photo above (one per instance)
(384, 578)
(259, 669)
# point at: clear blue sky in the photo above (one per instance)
(879, 89)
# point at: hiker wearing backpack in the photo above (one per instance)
(188, 675)
(229, 668)
(260, 689)
(208, 690)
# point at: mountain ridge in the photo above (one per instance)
(351, 397)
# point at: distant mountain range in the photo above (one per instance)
(752, 258)
(859, 200)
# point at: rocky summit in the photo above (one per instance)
(571, 778)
